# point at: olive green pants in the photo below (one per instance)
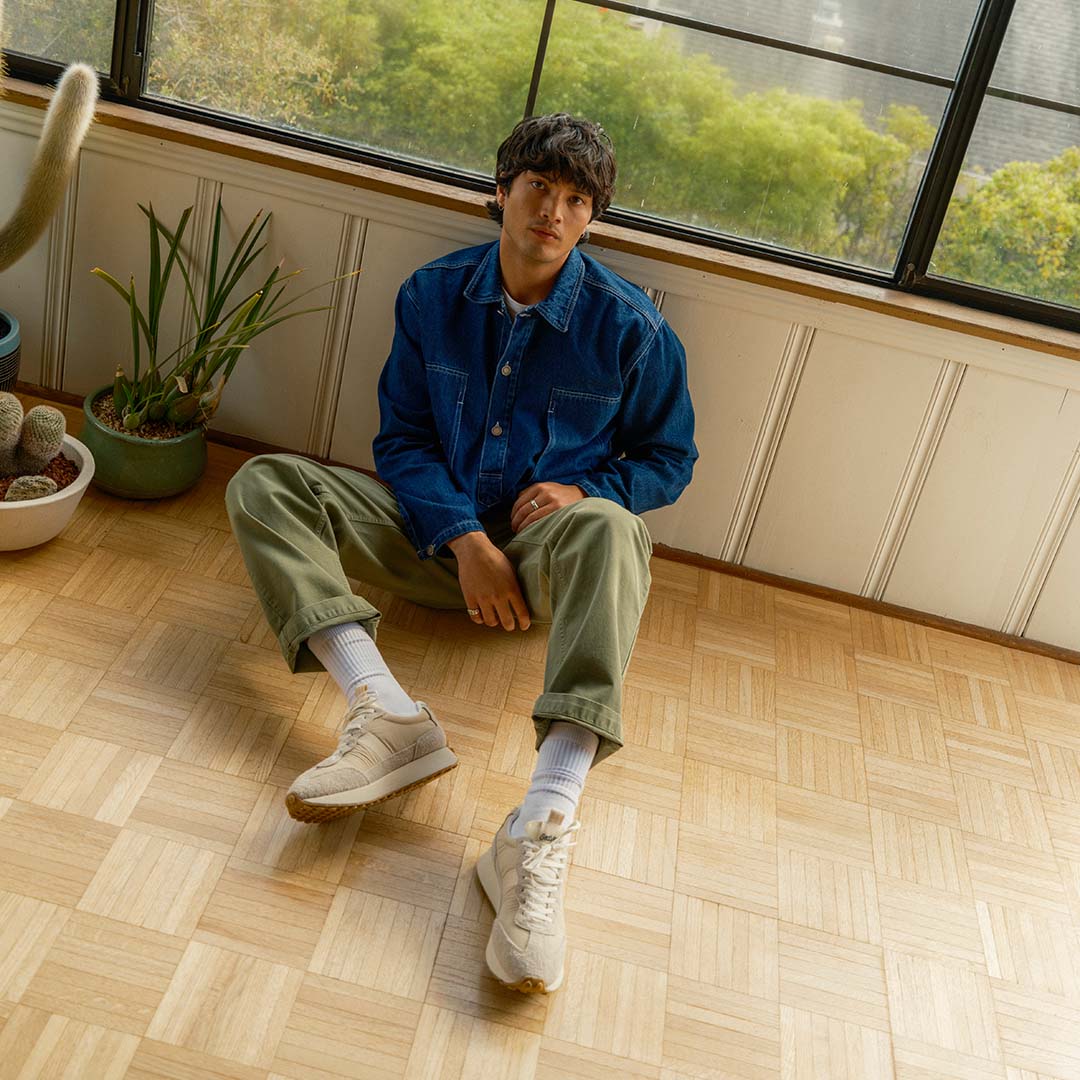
(304, 528)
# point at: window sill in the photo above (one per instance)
(939, 313)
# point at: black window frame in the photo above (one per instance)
(125, 84)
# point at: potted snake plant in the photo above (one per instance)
(147, 431)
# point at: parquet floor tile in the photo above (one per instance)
(814, 1046)
(962, 1016)
(137, 713)
(28, 929)
(225, 1004)
(720, 1033)
(826, 710)
(875, 633)
(930, 922)
(900, 731)
(154, 883)
(37, 1043)
(337, 1029)
(106, 972)
(981, 702)
(43, 689)
(450, 1045)
(836, 845)
(833, 976)
(724, 946)
(21, 606)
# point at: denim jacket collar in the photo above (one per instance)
(557, 307)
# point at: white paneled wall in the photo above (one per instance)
(838, 446)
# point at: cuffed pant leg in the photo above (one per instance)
(304, 528)
(585, 568)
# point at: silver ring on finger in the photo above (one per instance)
(473, 610)
(533, 503)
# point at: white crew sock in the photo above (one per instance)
(557, 781)
(352, 658)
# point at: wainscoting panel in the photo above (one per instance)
(113, 233)
(847, 439)
(1054, 617)
(990, 488)
(732, 362)
(271, 393)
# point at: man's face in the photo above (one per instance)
(543, 217)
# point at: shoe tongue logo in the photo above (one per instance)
(554, 819)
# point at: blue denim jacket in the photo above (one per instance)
(587, 387)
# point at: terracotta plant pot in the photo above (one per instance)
(29, 522)
(138, 468)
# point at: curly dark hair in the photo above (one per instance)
(576, 151)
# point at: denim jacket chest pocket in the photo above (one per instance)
(447, 389)
(579, 422)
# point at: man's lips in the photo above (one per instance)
(547, 233)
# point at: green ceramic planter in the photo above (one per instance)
(137, 468)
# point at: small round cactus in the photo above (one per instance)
(28, 444)
(30, 487)
(42, 438)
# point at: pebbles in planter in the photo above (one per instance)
(61, 471)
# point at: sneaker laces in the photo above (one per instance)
(354, 723)
(543, 868)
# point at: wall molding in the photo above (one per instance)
(1046, 549)
(199, 237)
(927, 439)
(759, 467)
(336, 341)
(61, 244)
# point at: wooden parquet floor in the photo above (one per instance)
(836, 845)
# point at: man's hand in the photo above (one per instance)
(488, 582)
(548, 496)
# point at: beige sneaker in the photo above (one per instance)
(525, 880)
(379, 755)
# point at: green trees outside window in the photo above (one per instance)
(445, 80)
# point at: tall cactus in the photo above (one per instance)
(28, 444)
(67, 120)
(11, 418)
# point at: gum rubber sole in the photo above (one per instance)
(485, 871)
(316, 813)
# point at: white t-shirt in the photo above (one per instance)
(513, 306)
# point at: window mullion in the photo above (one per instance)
(950, 146)
(538, 63)
(129, 47)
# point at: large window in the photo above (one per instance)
(1014, 219)
(931, 146)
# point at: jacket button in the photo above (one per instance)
(431, 549)
(496, 430)
(506, 369)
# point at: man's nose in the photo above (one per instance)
(553, 209)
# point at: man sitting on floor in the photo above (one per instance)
(533, 405)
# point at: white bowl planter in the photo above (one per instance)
(28, 522)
